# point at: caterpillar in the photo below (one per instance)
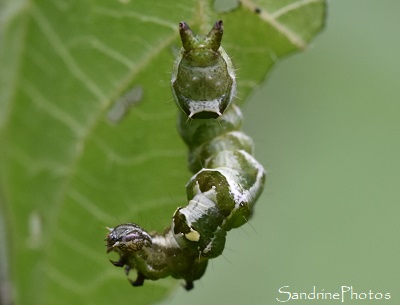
(227, 179)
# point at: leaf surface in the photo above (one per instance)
(67, 170)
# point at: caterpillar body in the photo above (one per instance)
(227, 179)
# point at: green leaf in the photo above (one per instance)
(67, 171)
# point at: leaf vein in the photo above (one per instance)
(33, 166)
(268, 17)
(41, 102)
(71, 285)
(89, 206)
(65, 55)
(117, 158)
(291, 7)
(140, 17)
(117, 56)
(79, 247)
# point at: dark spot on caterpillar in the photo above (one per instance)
(257, 10)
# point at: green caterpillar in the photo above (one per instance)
(227, 180)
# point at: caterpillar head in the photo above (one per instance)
(203, 79)
(127, 238)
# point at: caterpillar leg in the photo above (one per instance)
(188, 285)
(121, 262)
(139, 280)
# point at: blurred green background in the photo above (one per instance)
(326, 127)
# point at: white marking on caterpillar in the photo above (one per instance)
(193, 235)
